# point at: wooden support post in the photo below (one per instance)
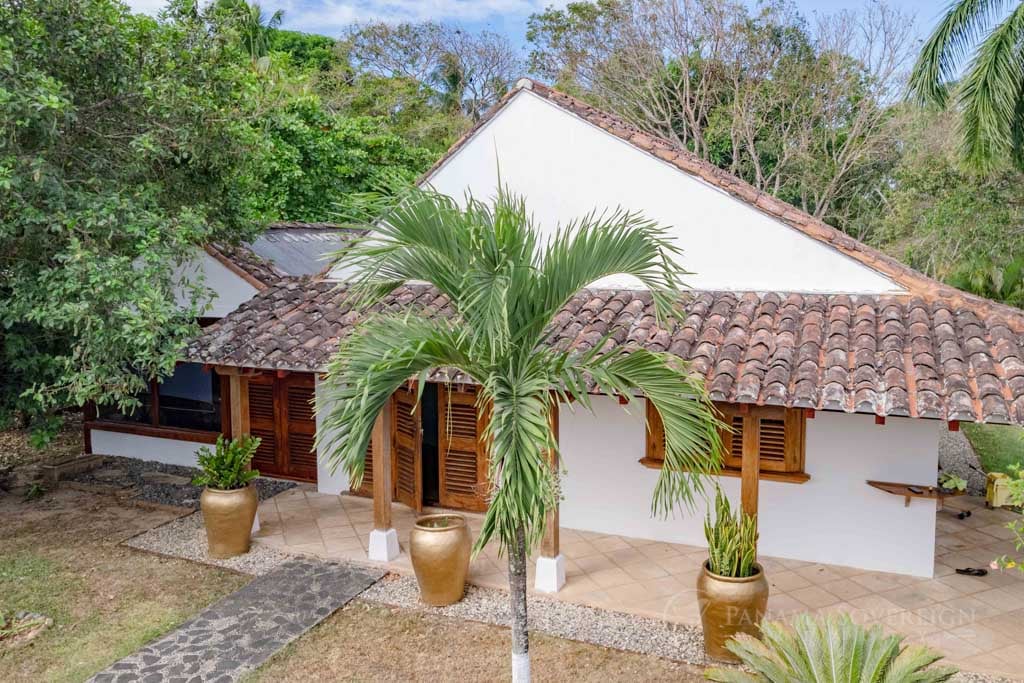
(238, 387)
(550, 574)
(380, 443)
(751, 464)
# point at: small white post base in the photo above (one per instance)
(550, 575)
(256, 524)
(383, 545)
(521, 667)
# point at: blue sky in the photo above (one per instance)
(506, 16)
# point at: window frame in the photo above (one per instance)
(792, 469)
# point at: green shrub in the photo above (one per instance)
(831, 649)
(227, 466)
(732, 540)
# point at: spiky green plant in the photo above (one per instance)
(732, 539)
(506, 285)
(991, 92)
(830, 649)
(226, 467)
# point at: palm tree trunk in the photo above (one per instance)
(517, 586)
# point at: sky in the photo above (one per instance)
(328, 17)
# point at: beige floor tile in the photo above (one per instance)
(910, 597)
(950, 645)
(846, 589)
(608, 578)
(644, 571)
(819, 574)
(814, 597)
(786, 581)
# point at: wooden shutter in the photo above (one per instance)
(262, 423)
(780, 433)
(300, 426)
(462, 454)
(655, 450)
(407, 449)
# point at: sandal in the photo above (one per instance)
(972, 571)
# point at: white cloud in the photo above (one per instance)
(326, 16)
(146, 6)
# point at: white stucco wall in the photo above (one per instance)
(231, 290)
(170, 451)
(834, 518)
(326, 482)
(567, 168)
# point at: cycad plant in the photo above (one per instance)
(732, 540)
(830, 649)
(987, 35)
(506, 285)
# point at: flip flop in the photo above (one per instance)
(972, 571)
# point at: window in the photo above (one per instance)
(781, 435)
(188, 399)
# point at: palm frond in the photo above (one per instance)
(991, 94)
(965, 23)
(383, 353)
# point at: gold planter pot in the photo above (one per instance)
(729, 606)
(228, 516)
(439, 546)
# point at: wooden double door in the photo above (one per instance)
(460, 453)
(281, 415)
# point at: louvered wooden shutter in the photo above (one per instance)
(461, 451)
(406, 447)
(263, 424)
(300, 424)
(780, 432)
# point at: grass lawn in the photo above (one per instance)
(367, 641)
(997, 446)
(59, 557)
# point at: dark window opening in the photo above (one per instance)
(187, 399)
(431, 471)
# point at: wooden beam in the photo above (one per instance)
(954, 425)
(879, 419)
(809, 413)
(751, 464)
(380, 443)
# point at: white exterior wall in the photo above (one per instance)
(567, 168)
(325, 481)
(169, 451)
(834, 518)
(231, 290)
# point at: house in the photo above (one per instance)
(835, 364)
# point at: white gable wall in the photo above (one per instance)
(833, 518)
(566, 168)
(231, 291)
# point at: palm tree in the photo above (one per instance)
(991, 92)
(505, 287)
(254, 27)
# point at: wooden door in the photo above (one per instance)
(407, 449)
(462, 466)
(263, 423)
(298, 426)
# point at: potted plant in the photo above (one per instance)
(439, 546)
(731, 589)
(229, 500)
(951, 483)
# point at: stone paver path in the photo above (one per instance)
(241, 631)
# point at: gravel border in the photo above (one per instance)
(185, 537)
(616, 630)
(175, 495)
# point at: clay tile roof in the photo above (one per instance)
(882, 355)
(247, 264)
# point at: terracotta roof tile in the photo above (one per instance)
(884, 355)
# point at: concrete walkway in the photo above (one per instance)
(241, 631)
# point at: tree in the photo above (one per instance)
(467, 71)
(125, 143)
(255, 29)
(506, 285)
(798, 113)
(307, 51)
(991, 93)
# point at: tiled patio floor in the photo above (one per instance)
(974, 621)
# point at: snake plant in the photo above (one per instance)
(732, 540)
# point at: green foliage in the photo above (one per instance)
(306, 51)
(830, 649)
(506, 285)
(991, 95)
(951, 482)
(732, 540)
(226, 467)
(999, 447)
(35, 491)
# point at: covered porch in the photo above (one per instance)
(974, 621)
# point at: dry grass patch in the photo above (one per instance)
(371, 642)
(59, 556)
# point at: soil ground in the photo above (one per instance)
(372, 642)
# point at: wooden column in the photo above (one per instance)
(380, 444)
(549, 544)
(751, 463)
(238, 388)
